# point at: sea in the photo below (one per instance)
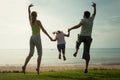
(16, 57)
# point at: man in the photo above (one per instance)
(86, 25)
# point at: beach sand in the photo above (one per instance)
(59, 68)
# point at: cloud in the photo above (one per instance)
(54, 15)
(115, 17)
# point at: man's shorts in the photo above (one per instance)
(87, 43)
(35, 41)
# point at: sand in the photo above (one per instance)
(58, 68)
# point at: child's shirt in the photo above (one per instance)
(60, 38)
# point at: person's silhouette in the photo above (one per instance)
(35, 40)
(86, 25)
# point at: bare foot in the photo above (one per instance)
(23, 69)
(86, 71)
(59, 56)
(75, 54)
(37, 71)
(64, 58)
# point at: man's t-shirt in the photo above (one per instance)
(87, 25)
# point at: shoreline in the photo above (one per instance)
(44, 68)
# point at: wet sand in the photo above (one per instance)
(59, 68)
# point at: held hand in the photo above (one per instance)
(31, 5)
(69, 30)
(54, 32)
(94, 4)
(51, 39)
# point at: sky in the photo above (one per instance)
(54, 15)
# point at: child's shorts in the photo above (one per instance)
(61, 47)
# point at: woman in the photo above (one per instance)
(35, 40)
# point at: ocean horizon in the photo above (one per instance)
(16, 57)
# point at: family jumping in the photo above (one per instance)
(86, 25)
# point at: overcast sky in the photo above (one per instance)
(15, 30)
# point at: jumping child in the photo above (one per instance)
(60, 38)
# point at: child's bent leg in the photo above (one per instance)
(63, 52)
(59, 50)
(59, 54)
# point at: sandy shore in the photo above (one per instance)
(58, 68)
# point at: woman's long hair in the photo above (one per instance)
(33, 16)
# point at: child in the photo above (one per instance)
(86, 25)
(61, 42)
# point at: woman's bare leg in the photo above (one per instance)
(38, 64)
(26, 62)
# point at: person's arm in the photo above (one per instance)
(44, 31)
(54, 39)
(75, 27)
(94, 7)
(67, 35)
(29, 12)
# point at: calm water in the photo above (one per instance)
(50, 57)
